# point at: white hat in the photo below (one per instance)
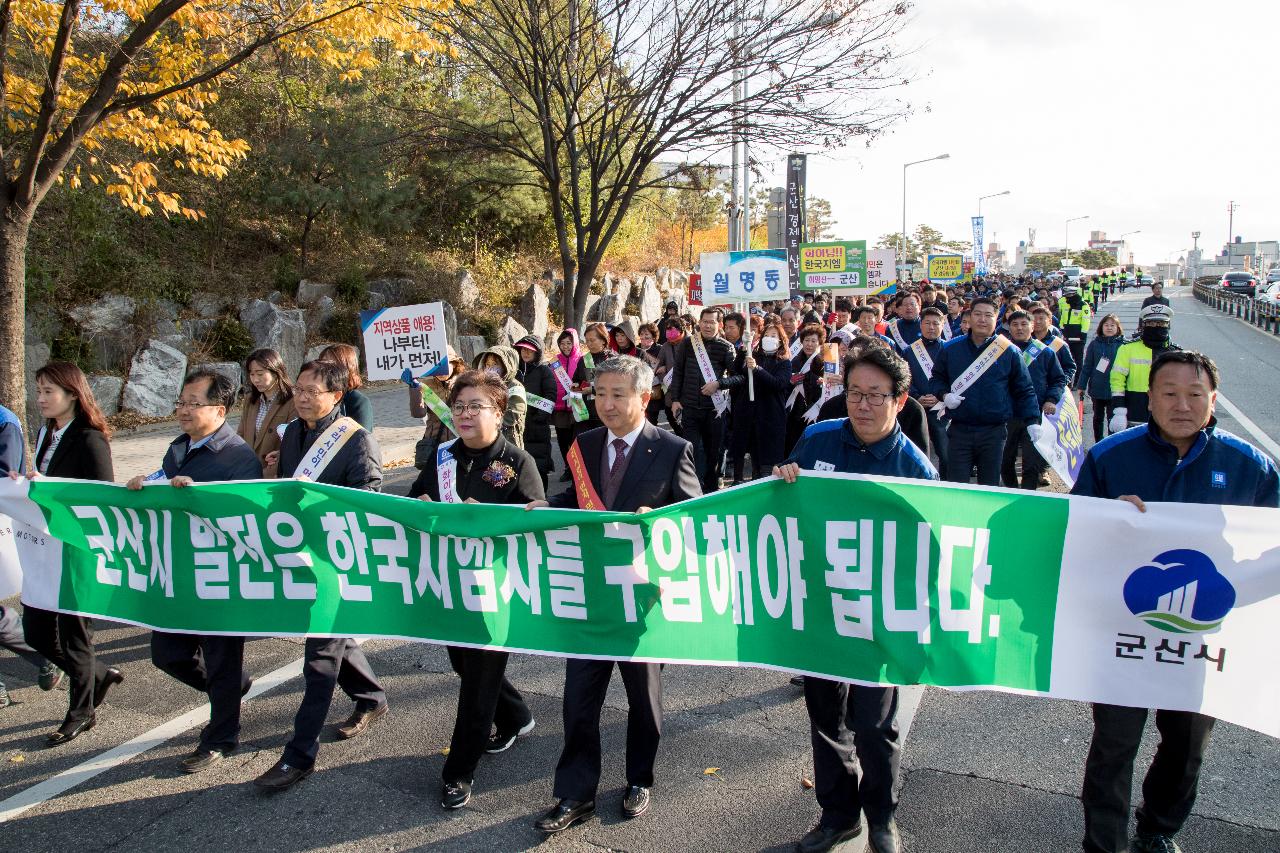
(1156, 312)
(1071, 290)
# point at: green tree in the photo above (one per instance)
(924, 242)
(819, 221)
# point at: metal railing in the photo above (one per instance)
(1264, 315)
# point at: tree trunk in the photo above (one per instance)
(568, 293)
(14, 228)
(586, 271)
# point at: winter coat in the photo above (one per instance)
(1098, 382)
(537, 378)
(514, 418)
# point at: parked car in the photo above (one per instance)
(1146, 281)
(1271, 294)
(1239, 282)
(1273, 276)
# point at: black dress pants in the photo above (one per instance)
(485, 699)
(586, 683)
(67, 641)
(705, 431)
(1169, 788)
(329, 663)
(969, 446)
(1103, 409)
(212, 665)
(1033, 465)
(856, 754)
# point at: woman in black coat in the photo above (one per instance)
(539, 381)
(812, 337)
(73, 443)
(760, 425)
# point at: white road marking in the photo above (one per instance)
(1268, 443)
(83, 772)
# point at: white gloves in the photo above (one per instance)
(1034, 431)
(952, 400)
(1120, 420)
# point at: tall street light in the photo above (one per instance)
(1120, 239)
(980, 265)
(902, 240)
(1066, 236)
(993, 195)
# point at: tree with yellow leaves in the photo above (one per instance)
(114, 92)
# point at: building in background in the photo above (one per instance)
(1251, 255)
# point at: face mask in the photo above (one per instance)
(1155, 336)
(769, 344)
(673, 335)
(494, 371)
(1075, 301)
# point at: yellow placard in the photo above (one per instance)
(821, 259)
(945, 267)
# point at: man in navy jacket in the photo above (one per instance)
(854, 728)
(207, 451)
(1050, 382)
(1179, 456)
(978, 413)
(931, 324)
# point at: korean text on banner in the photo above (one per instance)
(881, 278)
(1061, 441)
(409, 336)
(979, 256)
(749, 276)
(945, 267)
(840, 267)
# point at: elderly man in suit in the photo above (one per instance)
(628, 465)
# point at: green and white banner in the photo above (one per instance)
(878, 581)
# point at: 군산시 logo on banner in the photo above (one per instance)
(1180, 591)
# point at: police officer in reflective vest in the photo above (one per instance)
(1074, 317)
(1131, 374)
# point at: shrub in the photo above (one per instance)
(351, 288)
(343, 326)
(229, 340)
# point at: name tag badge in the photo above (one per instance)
(1103, 364)
(823, 466)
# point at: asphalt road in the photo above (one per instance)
(981, 771)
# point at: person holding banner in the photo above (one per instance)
(628, 466)
(267, 407)
(1182, 457)
(700, 393)
(325, 446)
(854, 728)
(74, 442)
(981, 384)
(1049, 382)
(540, 394)
(208, 451)
(911, 419)
(481, 466)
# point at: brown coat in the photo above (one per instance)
(267, 440)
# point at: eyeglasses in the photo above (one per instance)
(470, 408)
(857, 397)
(183, 404)
(309, 393)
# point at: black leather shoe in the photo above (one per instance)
(70, 730)
(282, 775)
(797, 680)
(883, 837)
(822, 838)
(361, 720)
(200, 760)
(636, 801)
(455, 795)
(565, 814)
(111, 679)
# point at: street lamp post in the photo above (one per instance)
(978, 264)
(902, 240)
(1066, 236)
(1121, 240)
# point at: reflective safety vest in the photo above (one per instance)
(1132, 370)
(1082, 317)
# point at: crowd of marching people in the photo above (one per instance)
(928, 383)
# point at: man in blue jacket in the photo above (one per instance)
(207, 451)
(853, 728)
(1179, 456)
(983, 384)
(1049, 381)
(1043, 331)
(906, 329)
(921, 357)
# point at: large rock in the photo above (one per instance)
(664, 277)
(229, 369)
(534, 312)
(107, 325)
(589, 309)
(467, 289)
(679, 279)
(510, 331)
(375, 300)
(106, 390)
(182, 343)
(394, 291)
(470, 346)
(282, 329)
(319, 313)
(607, 309)
(155, 380)
(208, 307)
(199, 328)
(314, 352)
(649, 301)
(311, 292)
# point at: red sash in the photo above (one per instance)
(588, 497)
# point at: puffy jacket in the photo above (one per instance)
(1046, 374)
(1066, 360)
(225, 456)
(1089, 377)
(537, 378)
(13, 452)
(686, 385)
(358, 465)
(513, 419)
(1131, 377)
(1219, 469)
(919, 381)
(834, 443)
(1001, 394)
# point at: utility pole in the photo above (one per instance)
(1232, 207)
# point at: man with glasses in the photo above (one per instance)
(853, 728)
(324, 447)
(207, 451)
(982, 383)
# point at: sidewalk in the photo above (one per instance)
(139, 451)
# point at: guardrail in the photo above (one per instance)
(1264, 315)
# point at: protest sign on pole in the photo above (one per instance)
(695, 289)
(881, 278)
(794, 226)
(945, 268)
(840, 267)
(409, 337)
(871, 580)
(979, 256)
(750, 276)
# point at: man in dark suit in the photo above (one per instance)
(629, 465)
(325, 447)
(207, 451)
